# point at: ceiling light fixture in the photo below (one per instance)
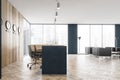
(56, 14)
(58, 5)
(55, 20)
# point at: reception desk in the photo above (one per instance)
(54, 59)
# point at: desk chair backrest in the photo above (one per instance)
(38, 48)
(32, 50)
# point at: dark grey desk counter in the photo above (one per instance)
(54, 59)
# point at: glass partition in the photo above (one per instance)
(27, 34)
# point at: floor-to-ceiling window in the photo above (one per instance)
(95, 36)
(83, 41)
(49, 34)
(36, 34)
(108, 36)
(62, 34)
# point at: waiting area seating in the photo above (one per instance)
(99, 51)
(88, 50)
(35, 52)
(116, 51)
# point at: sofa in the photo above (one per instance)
(98, 51)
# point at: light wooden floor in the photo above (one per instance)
(80, 67)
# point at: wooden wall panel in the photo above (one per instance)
(12, 43)
(13, 36)
(10, 38)
(4, 14)
(21, 38)
(7, 37)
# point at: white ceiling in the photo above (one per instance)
(71, 11)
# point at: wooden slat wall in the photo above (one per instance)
(12, 44)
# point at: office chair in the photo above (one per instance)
(35, 52)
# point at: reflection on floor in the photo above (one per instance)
(80, 67)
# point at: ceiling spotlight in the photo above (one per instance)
(55, 20)
(58, 5)
(56, 14)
